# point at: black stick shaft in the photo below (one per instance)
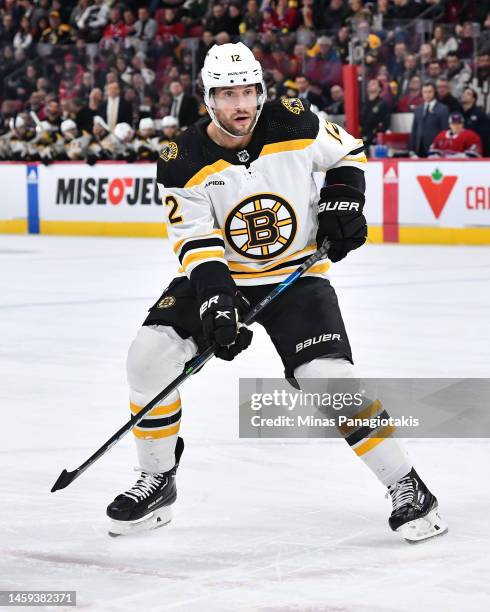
(67, 478)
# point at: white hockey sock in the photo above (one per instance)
(383, 455)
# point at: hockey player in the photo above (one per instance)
(18, 144)
(243, 211)
(123, 138)
(144, 144)
(456, 141)
(101, 145)
(74, 145)
(170, 129)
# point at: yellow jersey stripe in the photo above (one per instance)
(158, 410)
(203, 173)
(371, 443)
(316, 269)
(192, 256)
(287, 145)
(239, 267)
(155, 434)
(180, 242)
(362, 159)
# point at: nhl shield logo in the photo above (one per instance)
(243, 156)
(261, 226)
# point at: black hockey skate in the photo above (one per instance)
(147, 505)
(415, 513)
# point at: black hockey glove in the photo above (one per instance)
(220, 314)
(340, 219)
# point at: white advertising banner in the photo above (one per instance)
(444, 194)
(373, 210)
(101, 193)
(13, 203)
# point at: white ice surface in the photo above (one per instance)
(262, 525)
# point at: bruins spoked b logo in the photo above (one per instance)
(261, 226)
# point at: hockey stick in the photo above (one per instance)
(66, 478)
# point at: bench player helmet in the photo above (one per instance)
(230, 65)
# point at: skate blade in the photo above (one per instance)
(154, 520)
(423, 528)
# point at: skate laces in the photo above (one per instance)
(402, 492)
(144, 487)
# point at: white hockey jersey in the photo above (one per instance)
(253, 209)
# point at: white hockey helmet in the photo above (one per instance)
(146, 123)
(123, 131)
(230, 65)
(67, 126)
(17, 123)
(170, 121)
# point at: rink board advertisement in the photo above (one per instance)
(444, 201)
(13, 204)
(417, 202)
(107, 199)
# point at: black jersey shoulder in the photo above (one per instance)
(288, 119)
(184, 157)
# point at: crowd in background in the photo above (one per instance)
(102, 79)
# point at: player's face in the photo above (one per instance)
(236, 108)
(457, 128)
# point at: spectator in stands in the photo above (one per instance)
(434, 71)
(375, 113)
(77, 11)
(466, 45)
(93, 20)
(287, 15)
(115, 109)
(303, 87)
(57, 33)
(426, 56)
(9, 28)
(171, 27)
(458, 74)
(430, 118)
(333, 16)
(252, 18)
(116, 29)
(336, 106)
(443, 43)
(235, 19)
(456, 141)
(444, 95)
(218, 21)
(23, 36)
(146, 27)
(413, 98)
(410, 71)
(404, 9)
(475, 119)
(483, 70)
(341, 43)
(184, 107)
(396, 63)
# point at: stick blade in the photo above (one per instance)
(64, 479)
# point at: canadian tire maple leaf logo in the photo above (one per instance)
(437, 189)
